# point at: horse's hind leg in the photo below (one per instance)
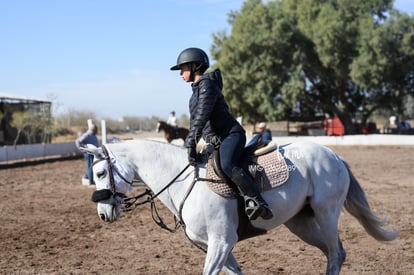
(327, 219)
(306, 227)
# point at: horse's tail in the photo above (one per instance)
(357, 205)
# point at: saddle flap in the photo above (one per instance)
(215, 163)
(268, 171)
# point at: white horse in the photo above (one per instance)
(320, 183)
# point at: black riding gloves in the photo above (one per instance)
(192, 156)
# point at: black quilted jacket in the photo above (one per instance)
(209, 113)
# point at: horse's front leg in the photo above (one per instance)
(213, 225)
(219, 254)
(222, 237)
(168, 137)
(232, 267)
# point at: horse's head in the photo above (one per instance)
(112, 181)
(158, 126)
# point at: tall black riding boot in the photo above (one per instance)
(255, 205)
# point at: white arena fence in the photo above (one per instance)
(368, 140)
(37, 152)
(33, 152)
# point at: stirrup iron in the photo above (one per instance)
(253, 208)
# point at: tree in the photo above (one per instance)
(74, 117)
(253, 69)
(35, 127)
(21, 121)
(339, 57)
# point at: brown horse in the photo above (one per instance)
(172, 132)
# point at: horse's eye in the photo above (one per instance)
(101, 173)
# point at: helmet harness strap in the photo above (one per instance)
(193, 71)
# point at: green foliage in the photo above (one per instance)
(249, 55)
(22, 121)
(32, 126)
(1, 120)
(346, 58)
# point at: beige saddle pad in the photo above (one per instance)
(274, 173)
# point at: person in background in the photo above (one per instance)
(403, 124)
(172, 120)
(89, 137)
(393, 122)
(265, 133)
(211, 119)
(326, 124)
(262, 136)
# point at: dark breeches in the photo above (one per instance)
(231, 150)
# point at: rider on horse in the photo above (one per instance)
(211, 119)
(172, 120)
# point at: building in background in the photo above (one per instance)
(24, 120)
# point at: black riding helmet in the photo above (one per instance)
(193, 55)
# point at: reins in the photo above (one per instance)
(130, 203)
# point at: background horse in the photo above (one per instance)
(171, 132)
(320, 184)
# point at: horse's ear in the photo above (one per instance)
(93, 150)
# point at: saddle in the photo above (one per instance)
(267, 167)
(265, 164)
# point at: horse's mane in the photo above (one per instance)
(121, 149)
(162, 143)
(168, 125)
(163, 122)
(151, 141)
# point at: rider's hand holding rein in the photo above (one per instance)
(192, 156)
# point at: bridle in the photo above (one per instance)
(112, 185)
(130, 203)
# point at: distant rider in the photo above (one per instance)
(172, 120)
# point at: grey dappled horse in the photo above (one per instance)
(320, 183)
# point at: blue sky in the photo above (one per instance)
(106, 56)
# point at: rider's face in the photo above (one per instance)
(185, 72)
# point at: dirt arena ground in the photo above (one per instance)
(49, 226)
